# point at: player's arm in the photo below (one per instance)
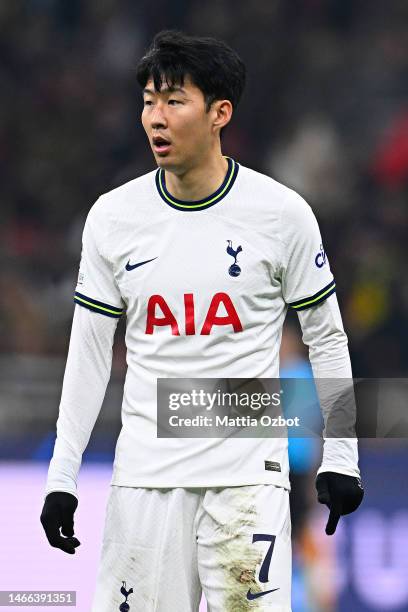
(338, 478)
(98, 308)
(309, 288)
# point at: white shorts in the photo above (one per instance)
(170, 544)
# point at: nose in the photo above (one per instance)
(158, 118)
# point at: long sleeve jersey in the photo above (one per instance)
(205, 287)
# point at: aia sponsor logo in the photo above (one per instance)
(159, 314)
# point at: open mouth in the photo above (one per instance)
(160, 144)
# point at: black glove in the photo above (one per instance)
(58, 511)
(342, 494)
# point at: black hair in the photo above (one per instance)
(215, 68)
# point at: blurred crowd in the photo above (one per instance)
(325, 112)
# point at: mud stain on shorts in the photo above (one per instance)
(238, 559)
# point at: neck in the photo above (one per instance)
(198, 182)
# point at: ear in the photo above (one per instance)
(222, 112)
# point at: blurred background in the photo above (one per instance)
(325, 112)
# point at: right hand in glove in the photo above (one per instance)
(58, 512)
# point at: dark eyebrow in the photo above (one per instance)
(165, 90)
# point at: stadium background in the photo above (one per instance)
(325, 112)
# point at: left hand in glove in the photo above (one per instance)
(342, 494)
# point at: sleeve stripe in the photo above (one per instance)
(95, 306)
(315, 299)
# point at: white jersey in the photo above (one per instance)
(205, 287)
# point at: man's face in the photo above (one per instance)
(177, 125)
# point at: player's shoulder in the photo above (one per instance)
(273, 192)
(124, 199)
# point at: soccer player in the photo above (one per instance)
(204, 256)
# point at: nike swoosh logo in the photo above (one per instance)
(141, 263)
(260, 594)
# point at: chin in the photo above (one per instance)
(162, 160)
(167, 163)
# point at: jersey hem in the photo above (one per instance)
(122, 481)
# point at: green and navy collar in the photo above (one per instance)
(212, 199)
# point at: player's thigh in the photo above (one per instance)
(148, 543)
(244, 549)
